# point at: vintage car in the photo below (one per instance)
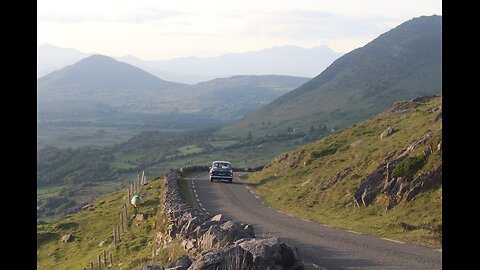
(221, 170)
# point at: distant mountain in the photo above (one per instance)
(51, 58)
(284, 60)
(100, 84)
(100, 87)
(405, 62)
(231, 98)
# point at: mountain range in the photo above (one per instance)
(403, 63)
(282, 60)
(102, 88)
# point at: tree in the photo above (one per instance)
(249, 137)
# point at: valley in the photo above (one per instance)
(348, 162)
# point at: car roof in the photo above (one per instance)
(220, 161)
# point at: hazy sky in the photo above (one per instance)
(161, 29)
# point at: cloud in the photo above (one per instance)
(68, 18)
(301, 24)
(135, 16)
(145, 15)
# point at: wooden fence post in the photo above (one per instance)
(104, 258)
(111, 259)
(126, 214)
(114, 237)
(99, 261)
(118, 233)
(121, 222)
(91, 265)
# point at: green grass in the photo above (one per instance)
(48, 191)
(74, 136)
(222, 143)
(125, 161)
(190, 149)
(91, 227)
(293, 181)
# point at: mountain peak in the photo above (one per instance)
(98, 58)
(403, 63)
(98, 72)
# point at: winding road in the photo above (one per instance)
(325, 246)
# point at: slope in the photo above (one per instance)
(91, 233)
(233, 97)
(402, 63)
(355, 179)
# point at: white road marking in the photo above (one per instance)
(439, 250)
(353, 232)
(391, 240)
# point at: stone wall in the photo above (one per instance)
(214, 242)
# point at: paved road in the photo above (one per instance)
(325, 246)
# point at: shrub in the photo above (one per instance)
(408, 167)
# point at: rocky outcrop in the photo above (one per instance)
(215, 242)
(398, 188)
(183, 262)
(438, 115)
(406, 106)
(424, 182)
(336, 178)
(389, 131)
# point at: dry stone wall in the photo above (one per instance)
(214, 242)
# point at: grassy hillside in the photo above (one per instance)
(319, 181)
(403, 63)
(90, 227)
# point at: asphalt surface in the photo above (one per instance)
(327, 247)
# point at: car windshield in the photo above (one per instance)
(222, 165)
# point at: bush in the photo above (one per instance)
(408, 167)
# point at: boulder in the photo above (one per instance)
(152, 267)
(270, 253)
(182, 263)
(66, 238)
(139, 217)
(355, 143)
(387, 132)
(437, 115)
(233, 257)
(188, 244)
(217, 217)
